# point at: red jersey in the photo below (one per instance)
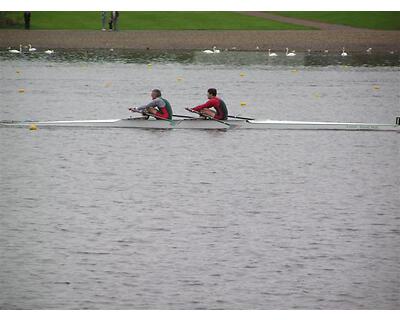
(219, 106)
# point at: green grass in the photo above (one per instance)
(383, 20)
(151, 21)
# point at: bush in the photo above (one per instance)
(10, 20)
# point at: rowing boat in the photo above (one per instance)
(198, 123)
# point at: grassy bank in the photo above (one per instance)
(149, 21)
(365, 19)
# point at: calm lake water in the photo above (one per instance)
(147, 219)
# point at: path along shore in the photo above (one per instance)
(356, 40)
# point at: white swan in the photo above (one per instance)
(31, 49)
(369, 50)
(16, 51)
(49, 51)
(289, 54)
(214, 50)
(344, 53)
(271, 54)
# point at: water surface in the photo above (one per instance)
(141, 219)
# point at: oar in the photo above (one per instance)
(208, 117)
(243, 118)
(182, 116)
(154, 115)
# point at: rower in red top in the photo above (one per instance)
(221, 111)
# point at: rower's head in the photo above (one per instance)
(211, 93)
(155, 93)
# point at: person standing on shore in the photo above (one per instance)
(27, 19)
(110, 22)
(103, 20)
(115, 17)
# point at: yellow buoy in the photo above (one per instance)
(317, 95)
(33, 127)
(149, 65)
(17, 71)
(179, 79)
(108, 84)
(376, 87)
(21, 90)
(242, 104)
(242, 74)
(294, 70)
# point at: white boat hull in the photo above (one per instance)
(141, 123)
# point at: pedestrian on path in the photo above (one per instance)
(27, 19)
(110, 22)
(103, 20)
(115, 17)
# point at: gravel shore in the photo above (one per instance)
(316, 40)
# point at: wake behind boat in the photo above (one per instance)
(208, 124)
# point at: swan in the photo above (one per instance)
(214, 50)
(344, 53)
(369, 50)
(49, 51)
(289, 54)
(16, 51)
(271, 54)
(31, 49)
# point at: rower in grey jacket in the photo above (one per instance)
(159, 107)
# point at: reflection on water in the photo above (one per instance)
(197, 57)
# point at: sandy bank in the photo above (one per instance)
(333, 40)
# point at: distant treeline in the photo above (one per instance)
(11, 20)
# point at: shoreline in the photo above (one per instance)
(356, 40)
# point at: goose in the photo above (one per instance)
(49, 51)
(214, 50)
(290, 54)
(344, 53)
(16, 51)
(271, 54)
(31, 49)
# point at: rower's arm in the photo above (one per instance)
(208, 104)
(152, 104)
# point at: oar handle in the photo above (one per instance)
(199, 113)
(151, 115)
